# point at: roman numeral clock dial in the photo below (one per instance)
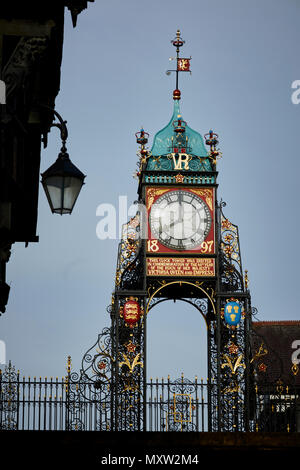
(180, 220)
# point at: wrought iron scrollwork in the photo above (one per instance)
(128, 372)
(95, 373)
(179, 409)
(231, 279)
(230, 257)
(92, 385)
(9, 397)
(129, 273)
(132, 277)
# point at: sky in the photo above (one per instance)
(113, 81)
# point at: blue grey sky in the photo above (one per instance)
(245, 56)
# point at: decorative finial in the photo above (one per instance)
(179, 125)
(69, 365)
(211, 139)
(178, 41)
(183, 64)
(142, 139)
(176, 95)
(246, 279)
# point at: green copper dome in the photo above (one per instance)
(163, 139)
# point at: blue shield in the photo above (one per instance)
(232, 313)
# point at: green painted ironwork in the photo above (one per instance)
(162, 147)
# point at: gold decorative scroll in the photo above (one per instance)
(152, 193)
(207, 194)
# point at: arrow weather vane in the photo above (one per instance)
(183, 63)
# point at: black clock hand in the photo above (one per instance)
(160, 230)
(171, 224)
(180, 207)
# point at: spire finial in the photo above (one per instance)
(142, 139)
(183, 63)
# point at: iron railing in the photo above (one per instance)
(181, 405)
(42, 404)
(277, 408)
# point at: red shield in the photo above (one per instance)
(131, 312)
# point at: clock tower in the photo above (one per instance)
(178, 246)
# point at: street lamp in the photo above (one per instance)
(63, 181)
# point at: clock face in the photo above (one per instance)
(180, 220)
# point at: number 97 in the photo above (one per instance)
(206, 247)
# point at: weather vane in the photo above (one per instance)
(183, 63)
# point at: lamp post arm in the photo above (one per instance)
(61, 125)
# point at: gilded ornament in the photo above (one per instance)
(295, 368)
(179, 178)
(279, 386)
(232, 389)
(207, 193)
(262, 351)
(101, 365)
(152, 193)
(228, 237)
(262, 367)
(233, 366)
(131, 365)
(131, 347)
(246, 279)
(226, 224)
(233, 348)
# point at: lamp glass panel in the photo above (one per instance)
(72, 188)
(55, 187)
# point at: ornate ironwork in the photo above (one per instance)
(9, 398)
(179, 411)
(128, 374)
(178, 405)
(129, 268)
(96, 365)
(230, 256)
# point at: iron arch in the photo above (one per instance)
(149, 306)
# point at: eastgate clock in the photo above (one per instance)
(181, 220)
